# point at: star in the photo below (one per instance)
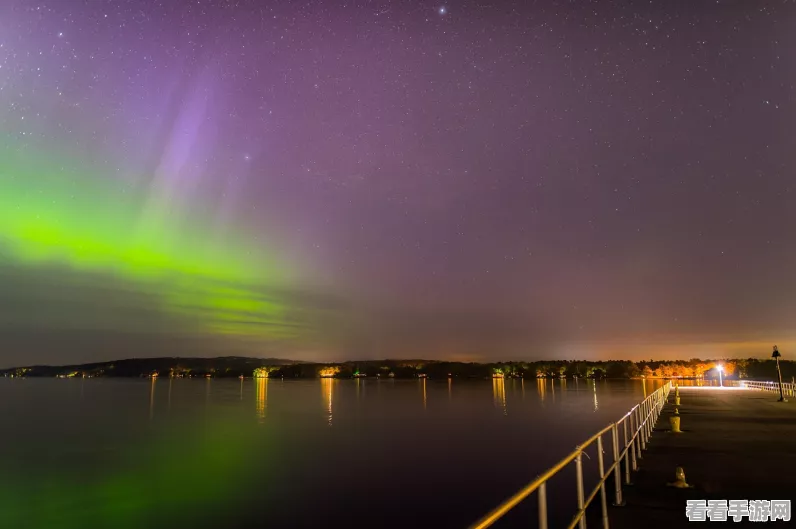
(443, 155)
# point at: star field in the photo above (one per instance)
(467, 180)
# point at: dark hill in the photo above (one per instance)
(134, 367)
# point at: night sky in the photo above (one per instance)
(458, 180)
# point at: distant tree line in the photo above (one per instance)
(694, 368)
(753, 369)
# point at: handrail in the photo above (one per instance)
(641, 417)
(788, 388)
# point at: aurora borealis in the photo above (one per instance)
(95, 235)
(456, 180)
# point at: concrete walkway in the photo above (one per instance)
(737, 444)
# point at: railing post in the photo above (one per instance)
(624, 431)
(655, 412)
(579, 476)
(644, 427)
(653, 407)
(618, 468)
(627, 453)
(633, 429)
(601, 467)
(542, 492)
(640, 425)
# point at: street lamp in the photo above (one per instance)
(775, 355)
(720, 369)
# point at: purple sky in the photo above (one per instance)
(447, 180)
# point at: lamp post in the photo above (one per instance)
(720, 368)
(775, 355)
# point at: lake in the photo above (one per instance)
(173, 453)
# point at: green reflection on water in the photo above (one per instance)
(159, 483)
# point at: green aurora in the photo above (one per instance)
(206, 283)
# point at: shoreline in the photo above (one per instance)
(245, 367)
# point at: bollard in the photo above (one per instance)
(677, 400)
(674, 421)
(679, 479)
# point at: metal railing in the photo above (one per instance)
(639, 421)
(788, 388)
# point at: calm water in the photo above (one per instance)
(97, 453)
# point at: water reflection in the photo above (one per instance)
(499, 393)
(326, 390)
(227, 442)
(261, 394)
(423, 381)
(594, 387)
(152, 397)
(450, 384)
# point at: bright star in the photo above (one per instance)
(442, 10)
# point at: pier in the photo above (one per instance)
(737, 444)
(680, 444)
